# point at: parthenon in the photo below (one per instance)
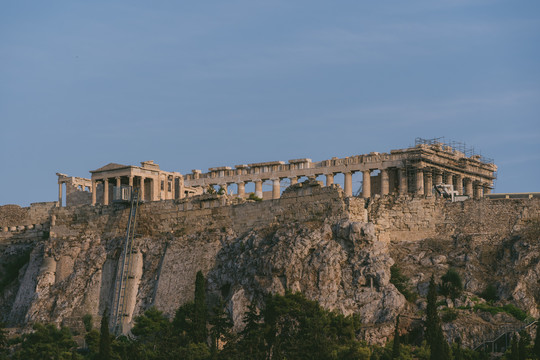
(411, 171)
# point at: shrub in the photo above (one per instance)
(401, 282)
(449, 315)
(490, 293)
(254, 197)
(12, 268)
(508, 308)
(87, 321)
(451, 284)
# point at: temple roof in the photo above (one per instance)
(110, 166)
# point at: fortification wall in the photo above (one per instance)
(14, 216)
(415, 218)
(73, 271)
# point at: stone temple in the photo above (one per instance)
(411, 171)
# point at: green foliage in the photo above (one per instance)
(104, 338)
(221, 326)
(449, 315)
(451, 284)
(92, 341)
(396, 345)
(401, 282)
(508, 308)
(254, 197)
(3, 341)
(490, 293)
(87, 321)
(434, 335)
(221, 191)
(46, 342)
(11, 268)
(536, 348)
(200, 312)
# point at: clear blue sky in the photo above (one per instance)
(198, 84)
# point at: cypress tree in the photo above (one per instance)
(3, 340)
(432, 318)
(200, 333)
(536, 348)
(434, 335)
(514, 350)
(395, 348)
(104, 338)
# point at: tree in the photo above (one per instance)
(395, 347)
(47, 342)
(200, 333)
(434, 335)
(221, 326)
(514, 349)
(451, 284)
(154, 334)
(536, 348)
(432, 318)
(523, 344)
(104, 338)
(3, 340)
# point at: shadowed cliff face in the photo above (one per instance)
(335, 250)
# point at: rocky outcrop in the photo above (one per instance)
(335, 250)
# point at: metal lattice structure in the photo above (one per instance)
(125, 269)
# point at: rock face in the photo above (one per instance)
(334, 249)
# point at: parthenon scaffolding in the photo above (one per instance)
(411, 171)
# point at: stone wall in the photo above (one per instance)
(14, 215)
(324, 240)
(415, 218)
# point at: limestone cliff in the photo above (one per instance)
(336, 250)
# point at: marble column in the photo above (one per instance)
(487, 189)
(60, 194)
(403, 186)
(348, 183)
(173, 188)
(478, 191)
(118, 182)
(276, 190)
(141, 189)
(366, 184)
(438, 177)
(94, 192)
(329, 179)
(428, 190)
(468, 187)
(450, 179)
(130, 178)
(419, 182)
(258, 189)
(385, 182)
(459, 184)
(106, 191)
(241, 189)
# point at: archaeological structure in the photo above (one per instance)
(414, 170)
(106, 250)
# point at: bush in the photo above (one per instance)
(254, 197)
(490, 293)
(449, 315)
(451, 284)
(12, 268)
(401, 282)
(508, 308)
(87, 321)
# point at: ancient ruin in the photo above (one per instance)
(414, 171)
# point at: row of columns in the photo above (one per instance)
(424, 179)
